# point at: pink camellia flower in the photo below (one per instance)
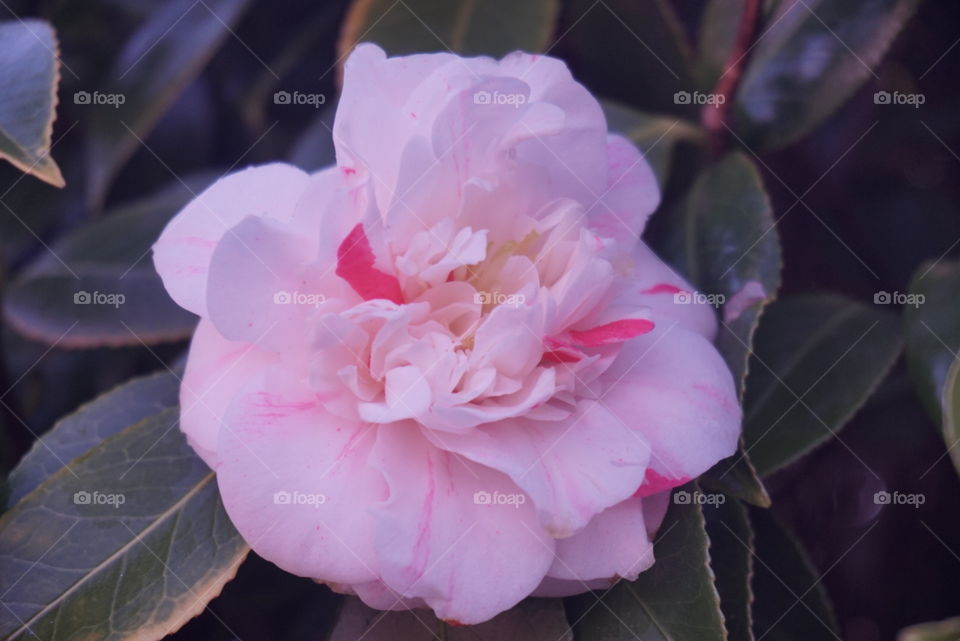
(447, 372)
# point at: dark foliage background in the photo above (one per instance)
(880, 190)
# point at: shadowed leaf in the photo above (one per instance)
(29, 74)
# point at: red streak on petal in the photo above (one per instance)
(355, 261)
(662, 288)
(653, 483)
(553, 343)
(561, 356)
(615, 332)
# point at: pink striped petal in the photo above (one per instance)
(355, 264)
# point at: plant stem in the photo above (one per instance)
(716, 116)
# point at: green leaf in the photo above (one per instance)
(675, 600)
(951, 413)
(469, 27)
(99, 419)
(719, 25)
(530, 620)
(98, 285)
(128, 541)
(731, 557)
(737, 477)
(817, 359)
(156, 64)
(932, 329)
(29, 74)
(655, 136)
(726, 243)
(791, 603)
(724, 240)
(809, 59)
(946, 630)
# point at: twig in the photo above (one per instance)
(714, 116)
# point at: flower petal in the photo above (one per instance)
(259, 289)
(615, 544)
(436, 531)
(611, 545)
(572, 469)
(674, 389)
(670, 298)
(355, 264)
(182, 253)
(216, 370)
(630, 196)
(295, 481)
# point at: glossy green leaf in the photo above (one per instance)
(737, 477)
(675, 600)
(530, 620)
(946, 630)
(156, 64)
(655, 136)
(817, 360)
(470, 27)
(791, 603)
(724, 240)
(810, 57)
(726, 243)
(29, 74)
(933, 329)
(731, 557)
(93, 422)
(98, 285)
(951, 413)
(127, 541)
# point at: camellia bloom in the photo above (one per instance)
(447, 372)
